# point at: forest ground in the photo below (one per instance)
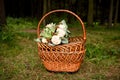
(19, 56)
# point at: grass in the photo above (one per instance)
(19, 57)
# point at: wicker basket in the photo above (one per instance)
(65, 57)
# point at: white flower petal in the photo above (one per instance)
(56, 40)
(44, 40)
(60, 32)
(50, 25)
(63, 25)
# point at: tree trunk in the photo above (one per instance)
(116, 12)
(48, 9)
(21, 9)
(39, 8)
(90, 13)
(2, 14)
(44, 9)
(48, 5)
(32, 8)
(110, 14)
(71, 6)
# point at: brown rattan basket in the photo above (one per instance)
(65, 57)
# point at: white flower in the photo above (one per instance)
(44, 40)
(50, 25)
(56, 40)
(63, 25)
(60, 32)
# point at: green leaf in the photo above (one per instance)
(64, 40)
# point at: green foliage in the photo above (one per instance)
(94, 51)
(47, 32)
(21, 62)
(6, 36)
(98, 77)
(18, 24)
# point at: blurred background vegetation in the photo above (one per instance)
(18, 51)
(90, 11)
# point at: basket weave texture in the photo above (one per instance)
(65, 57)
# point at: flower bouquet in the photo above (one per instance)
(54, 34)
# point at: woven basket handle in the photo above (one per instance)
(61, 10)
